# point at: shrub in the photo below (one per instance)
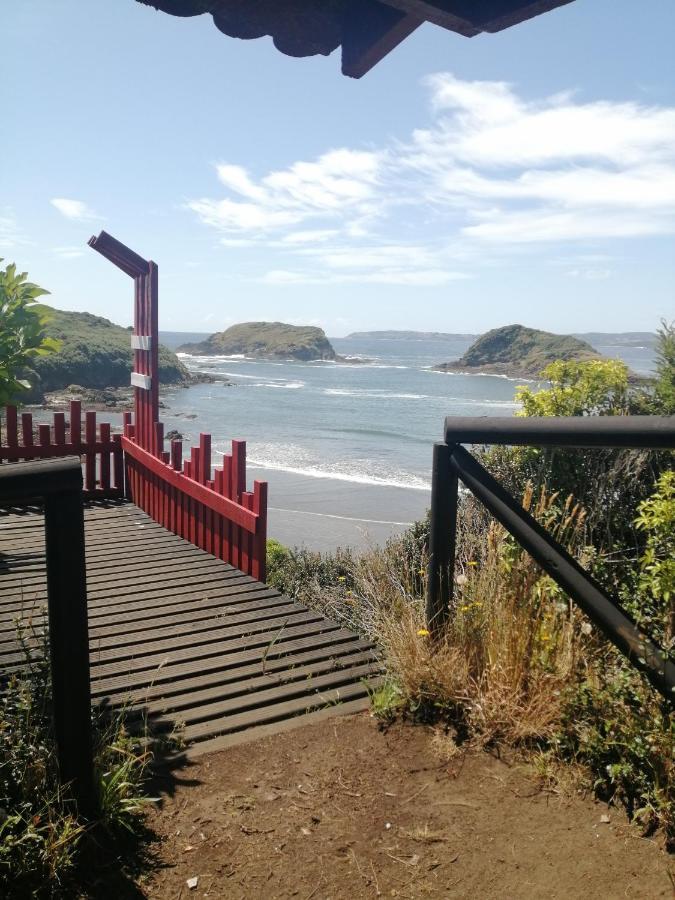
(22, 335)
(45, 850)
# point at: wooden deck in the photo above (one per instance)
(184, 638)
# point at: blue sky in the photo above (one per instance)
(463, 184)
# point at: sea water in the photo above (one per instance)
(346, 447)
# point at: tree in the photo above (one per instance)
(597, 387)
(22, 335)
(610, 484)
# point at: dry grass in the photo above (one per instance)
(510, 646)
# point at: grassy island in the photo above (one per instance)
(267, 340)
(94, 353)
(519, 352)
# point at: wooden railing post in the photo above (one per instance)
(442, 539)
(59, 481)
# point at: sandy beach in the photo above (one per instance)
(324, 513)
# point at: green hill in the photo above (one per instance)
(268, 340)
(94, 353)
(519, 352)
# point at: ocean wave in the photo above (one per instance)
(483, 375)
(297, 460)
(412, 482)
(367, 394)
(286, 385)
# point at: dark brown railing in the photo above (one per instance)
(452, 463)
(58, 482)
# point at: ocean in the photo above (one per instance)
(346, 448)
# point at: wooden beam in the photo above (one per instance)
(370, 31)
(470, 17)
(450, 14)
(500, 14)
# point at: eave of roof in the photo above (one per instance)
(367, 30)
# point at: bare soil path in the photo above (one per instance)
(342, 809)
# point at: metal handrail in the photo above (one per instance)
(453, 463)
(59, 483)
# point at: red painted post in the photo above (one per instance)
(90, 452)
(176, 455)
(260, 541)
(76, 426)
(44, 435)
(105, 456)
(246, 537)
(118, 465)
(27, 432)
(11, 430)
(228, 554)
(59, 429)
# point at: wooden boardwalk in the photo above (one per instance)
(185, 639)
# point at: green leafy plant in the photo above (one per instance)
(45, 849)
(656, 519)
(22, 335)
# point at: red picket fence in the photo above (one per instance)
(210, 508)
(100, 450)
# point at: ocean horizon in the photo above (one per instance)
(346, 448)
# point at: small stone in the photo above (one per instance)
(192, 882)
(605, 819)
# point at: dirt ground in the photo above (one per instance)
(342, 809)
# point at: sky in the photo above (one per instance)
(463, 184)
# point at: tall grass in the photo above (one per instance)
(45, 848)
(517, 664)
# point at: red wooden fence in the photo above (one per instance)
(212, 509)
(101, 451)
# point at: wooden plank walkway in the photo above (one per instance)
(182, 638)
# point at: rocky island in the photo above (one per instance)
(94, 361)
(519, 352)
(266, 340)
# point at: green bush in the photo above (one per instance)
(22, 332)
(45, 849)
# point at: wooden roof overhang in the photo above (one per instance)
(367, 30)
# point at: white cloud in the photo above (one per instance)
(11, 234)
(491, 170)
(74, 209)
(67, 252)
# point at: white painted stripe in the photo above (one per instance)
(141, 381)
(141, 341)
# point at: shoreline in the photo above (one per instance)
(325, 513)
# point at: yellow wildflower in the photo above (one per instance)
(422, 632)
(342, 577)
(472, 562)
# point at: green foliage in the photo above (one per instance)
(659, 397)
(94, 353)
(664, 389)
(386, 701)
(594, 388)
(656, 518)
(44, 849)
(614, 725)
(610, 484)
(22, 331)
